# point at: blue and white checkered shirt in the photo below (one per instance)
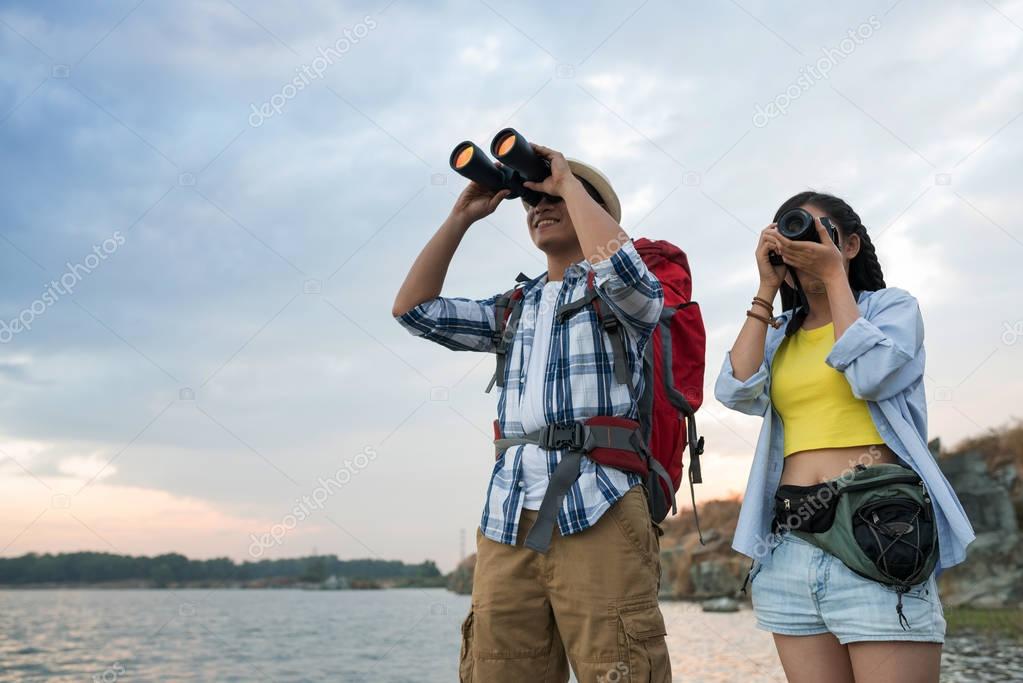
(578, 382)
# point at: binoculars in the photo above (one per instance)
(797, 224)
(519, 163)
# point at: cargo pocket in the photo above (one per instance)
(641, 644)
(465, 658)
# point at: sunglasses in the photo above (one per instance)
(590, 190)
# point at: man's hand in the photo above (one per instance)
(476, 202)
(561, 175)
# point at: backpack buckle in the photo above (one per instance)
(557, 436)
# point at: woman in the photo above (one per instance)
(838, 379)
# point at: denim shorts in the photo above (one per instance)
(802, 590)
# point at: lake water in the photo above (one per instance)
(390, 636)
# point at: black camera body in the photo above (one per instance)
(798, 224)
(519, 163)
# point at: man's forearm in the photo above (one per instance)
(425, 278)
(598, 233)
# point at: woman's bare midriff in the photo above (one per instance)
(806, 468)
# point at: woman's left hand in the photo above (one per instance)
(561, 175)
(821, 261)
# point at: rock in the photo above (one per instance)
(720, 605)
(992, 575)
(985, 498)
(717, 577)
(460, 580)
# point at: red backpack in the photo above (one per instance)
(673, 366)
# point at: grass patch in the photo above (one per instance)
(1006, 622)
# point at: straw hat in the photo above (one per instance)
(601, 184)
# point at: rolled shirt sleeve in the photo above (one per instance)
(625, 283)
(453, 322)
(881, 353)
(749, 396)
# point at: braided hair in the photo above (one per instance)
(864, 269)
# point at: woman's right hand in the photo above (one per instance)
(476, 202)
(771, 276)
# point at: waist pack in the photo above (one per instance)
(879, 522)
(673, 369)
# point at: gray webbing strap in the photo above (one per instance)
(567, 471)
(616, 333)
(504, 444)
(658, 468)
(565, 474)
(597, 436)
(567, 309)
(504, 342)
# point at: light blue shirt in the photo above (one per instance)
(882, 356)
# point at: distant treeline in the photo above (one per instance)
(162, 570)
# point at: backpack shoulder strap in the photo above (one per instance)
(507, 309)
(610, 323)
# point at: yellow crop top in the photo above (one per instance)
(815, 401)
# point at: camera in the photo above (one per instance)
(797, 224)
(519, 163)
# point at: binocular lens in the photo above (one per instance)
(463, 157)
(505, 144)
(519, 162)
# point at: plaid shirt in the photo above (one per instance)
(578, 382)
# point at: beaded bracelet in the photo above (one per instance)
(772, 321)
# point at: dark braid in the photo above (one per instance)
(864, 269)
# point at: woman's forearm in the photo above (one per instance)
(842, 303)
(426, 276)
(747, 353)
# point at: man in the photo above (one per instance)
(593, 594)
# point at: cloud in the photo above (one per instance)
(260, 263)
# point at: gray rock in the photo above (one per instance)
(716, 577)
(720, 605)
(992, 575)
(986, 499)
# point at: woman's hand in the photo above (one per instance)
(771, 276)
(561, 175)
(476, 202)
(823, 261)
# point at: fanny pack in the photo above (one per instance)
(879, 522)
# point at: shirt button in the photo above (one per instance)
(519, 484)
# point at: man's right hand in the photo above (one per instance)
(476, 202)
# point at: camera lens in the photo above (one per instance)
(796, 224)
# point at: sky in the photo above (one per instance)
(208, 206)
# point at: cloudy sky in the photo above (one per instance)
(208, 206)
